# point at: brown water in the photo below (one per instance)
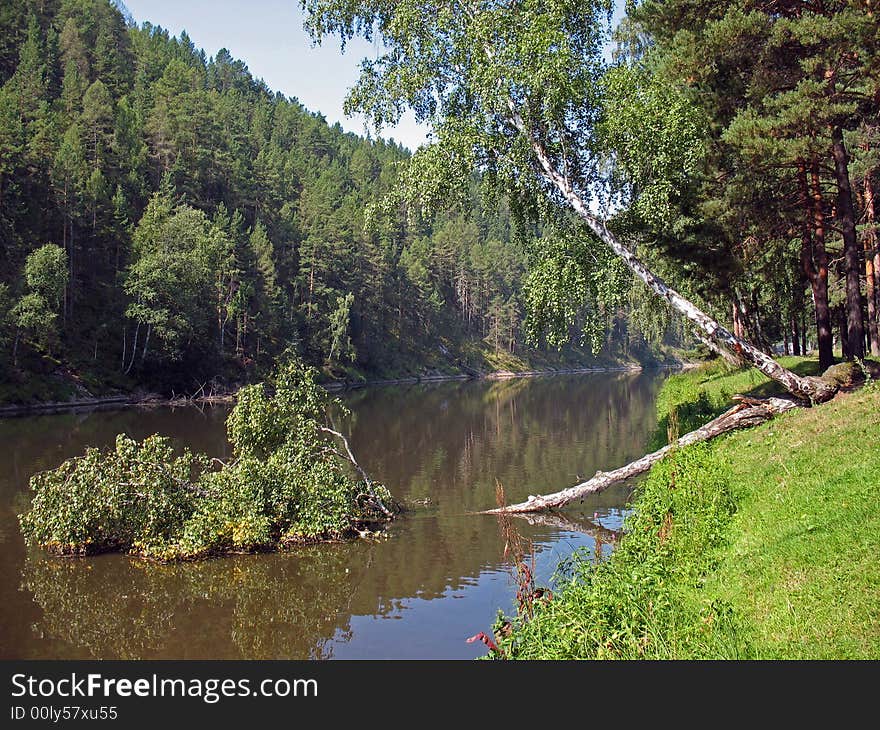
(436, 579)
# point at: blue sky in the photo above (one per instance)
(268, 36)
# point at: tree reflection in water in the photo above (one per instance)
(284, 606)
(440, 570)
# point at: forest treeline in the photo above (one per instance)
(780, 103)
(166, 218)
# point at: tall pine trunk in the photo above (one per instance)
(844, 332)
(814, 259)
(872, 259)
(737, 320)
(846, 218)
(797, 306)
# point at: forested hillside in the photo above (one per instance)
(166, 219)
(726, 157)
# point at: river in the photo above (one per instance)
(436, 578)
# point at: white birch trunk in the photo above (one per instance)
(809, 389)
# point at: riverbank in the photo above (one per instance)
(759, 545)
(141, 398)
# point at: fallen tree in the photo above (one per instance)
(745, 414)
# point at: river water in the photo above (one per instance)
(438, 576)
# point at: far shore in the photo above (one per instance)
(149, 400)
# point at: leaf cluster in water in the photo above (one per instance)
(287, 484)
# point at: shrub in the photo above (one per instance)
(289, 482)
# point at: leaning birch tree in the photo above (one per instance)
(513, 89)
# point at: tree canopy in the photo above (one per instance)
(520, 91)
(209, 223)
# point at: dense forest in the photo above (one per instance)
(779, 216)
(166, 219)
(726, 157)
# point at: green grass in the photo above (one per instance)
(802, 563)
(762, 544)
(691, 399)
(720, 381)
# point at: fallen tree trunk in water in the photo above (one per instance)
(561, 521)
(749, 412)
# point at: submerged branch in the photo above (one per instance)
(367, 481)
(561, 521)
(749, 412)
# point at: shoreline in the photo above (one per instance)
(150, 400)
(341, 385)
(756, 506)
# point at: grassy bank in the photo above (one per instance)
(761, 544)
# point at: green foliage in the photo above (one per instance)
(210, 223)
(639, 603)
(754, 546)
(35, 314)
(755, 94)
(46, 273)
(135, 498)
(341, 347)
(521, 94)
(289, 483)
(574, 286)
(656, 137)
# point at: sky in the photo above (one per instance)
(268, 36)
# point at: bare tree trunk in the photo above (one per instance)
(69, 258)
(814, 261)
(737, 320)
(311, 287)
(804, 343)
(810, 389)
(146, 341)
(133, 348)
(749, 413)
(367, 482)
(847, 220)
(872, 257)
(72, 275)
(844, 333)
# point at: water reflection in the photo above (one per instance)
(260, 606)
(434, 580)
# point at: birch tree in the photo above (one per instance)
(512, 88)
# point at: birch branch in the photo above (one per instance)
(364, 475)
(809, 389)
